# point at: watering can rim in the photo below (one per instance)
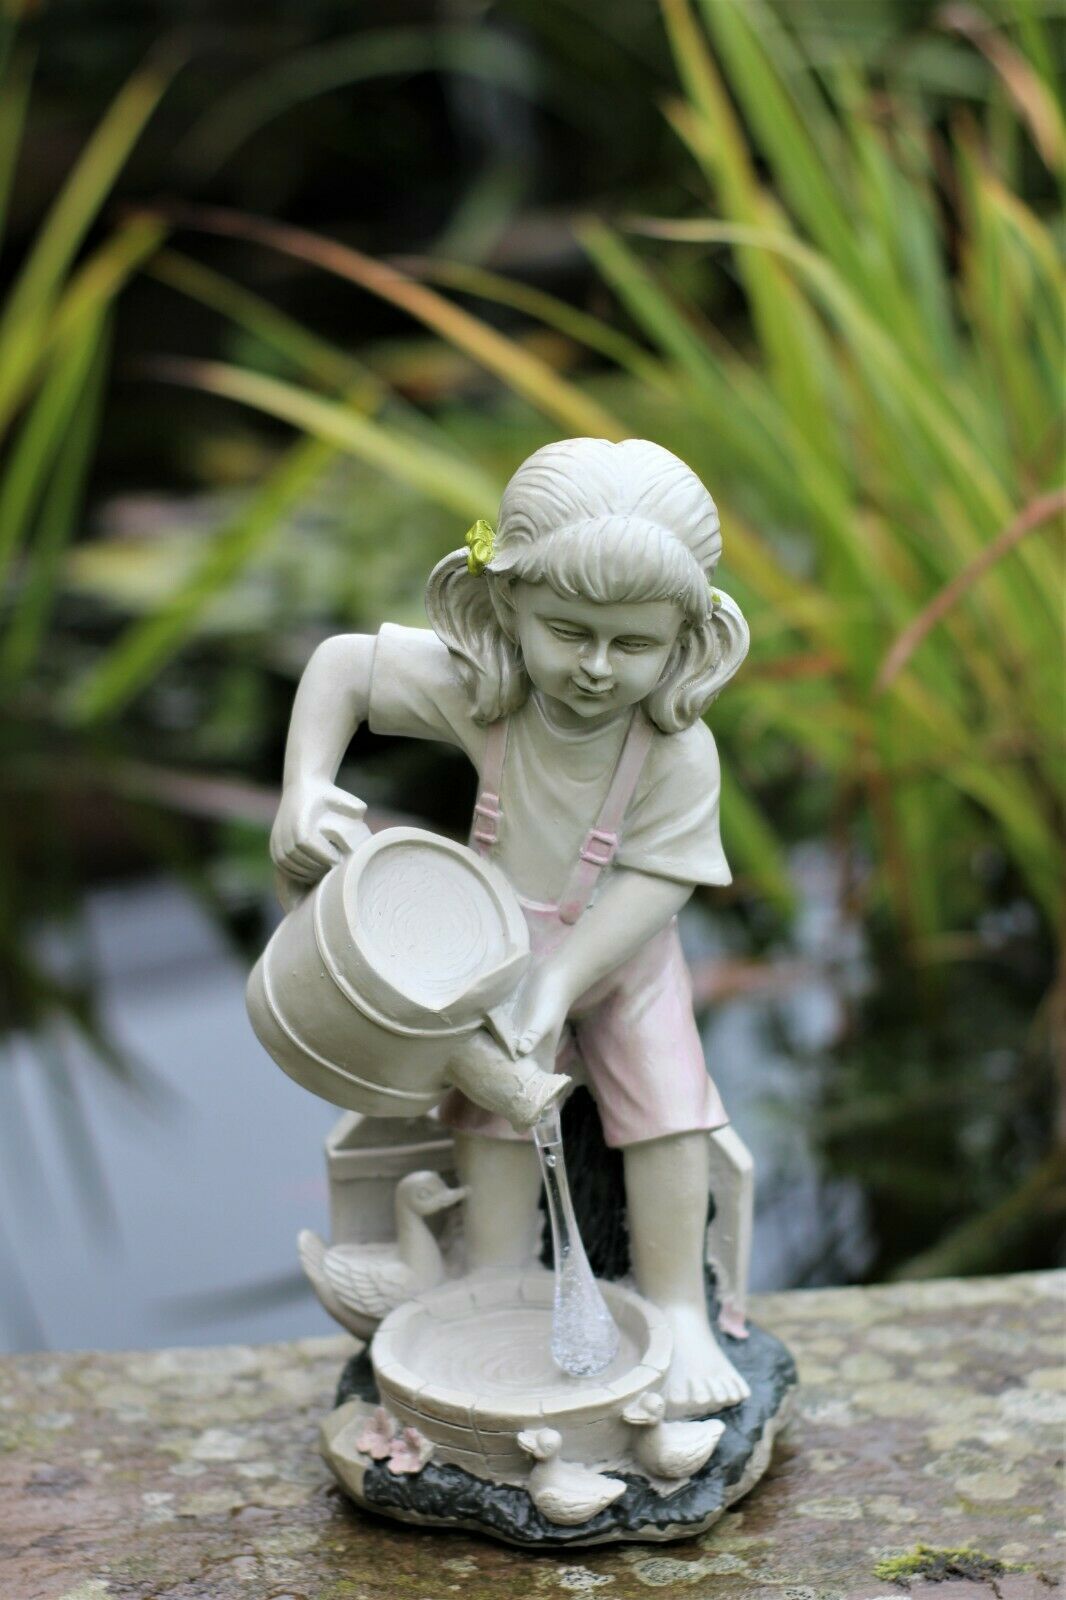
(389, 1005)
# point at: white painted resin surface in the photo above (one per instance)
(428, 922)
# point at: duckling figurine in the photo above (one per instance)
(359, 1284)
(669, 1449)
(562, 1491)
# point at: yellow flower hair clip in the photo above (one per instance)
(480, 543)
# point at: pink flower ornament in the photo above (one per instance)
(406, 1451)
(410, 1452)
(376, 1436)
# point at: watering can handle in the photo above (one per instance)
(345, 836)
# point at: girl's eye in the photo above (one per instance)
(633, 647)
(571, 635)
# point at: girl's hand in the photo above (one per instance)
(317, 824)
(540, 1015)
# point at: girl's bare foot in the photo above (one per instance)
(700, 1378)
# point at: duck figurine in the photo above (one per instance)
(562, 1491)
(669, 1449)
(359, 1284)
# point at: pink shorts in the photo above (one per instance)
(637, 1037)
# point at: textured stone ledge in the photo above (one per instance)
(928, 1413)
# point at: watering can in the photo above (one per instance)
(387, 984)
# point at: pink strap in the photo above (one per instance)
(601, 843)
(485, 826)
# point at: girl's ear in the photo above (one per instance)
(732, 637)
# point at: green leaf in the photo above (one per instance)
(40, 440)
(33, 294)
(752, 845)
(57, 521)
(16, 77)
(146, 646)
(441, 477)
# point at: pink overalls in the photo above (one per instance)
(634, 1031)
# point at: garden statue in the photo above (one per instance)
(450, 997)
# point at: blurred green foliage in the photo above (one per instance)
(894, 409)
(812, 248)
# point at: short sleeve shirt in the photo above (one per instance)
(555, 780)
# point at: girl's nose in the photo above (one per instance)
(596, 663)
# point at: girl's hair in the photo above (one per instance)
(602, 522)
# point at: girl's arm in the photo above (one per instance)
(317, 822)
(631, 908)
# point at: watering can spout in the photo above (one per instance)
(512, 1087)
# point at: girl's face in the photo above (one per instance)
(593, 660)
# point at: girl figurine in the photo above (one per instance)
(572, 656)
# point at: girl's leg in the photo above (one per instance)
(667, 1182)
(501, 1218)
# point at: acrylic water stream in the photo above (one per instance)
(585, 1339)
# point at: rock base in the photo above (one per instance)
(448, 1496)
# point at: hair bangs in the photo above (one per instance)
(612, 561)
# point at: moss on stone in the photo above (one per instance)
(925, 1562)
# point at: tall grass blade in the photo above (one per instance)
(40, 441)
(1041, 511)
(578, 326)
(101, 277)
(309, 355)
(752, 844)
(455, 484)
(902, 395)
(517, 368)
(1032, 95)
(16, 77)
(808, 174)
(65, 227)
(786, 329)
(60, 506)
(146, 646)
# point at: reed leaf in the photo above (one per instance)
(38, 283)
(83, 369)
(441, 477)
(590, 332)
(516, 367)
(16, 76)
(309, 355)
(752, 844)
(145, 647)
(40, 440)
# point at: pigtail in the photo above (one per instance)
(460, 608)
(704, 659)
